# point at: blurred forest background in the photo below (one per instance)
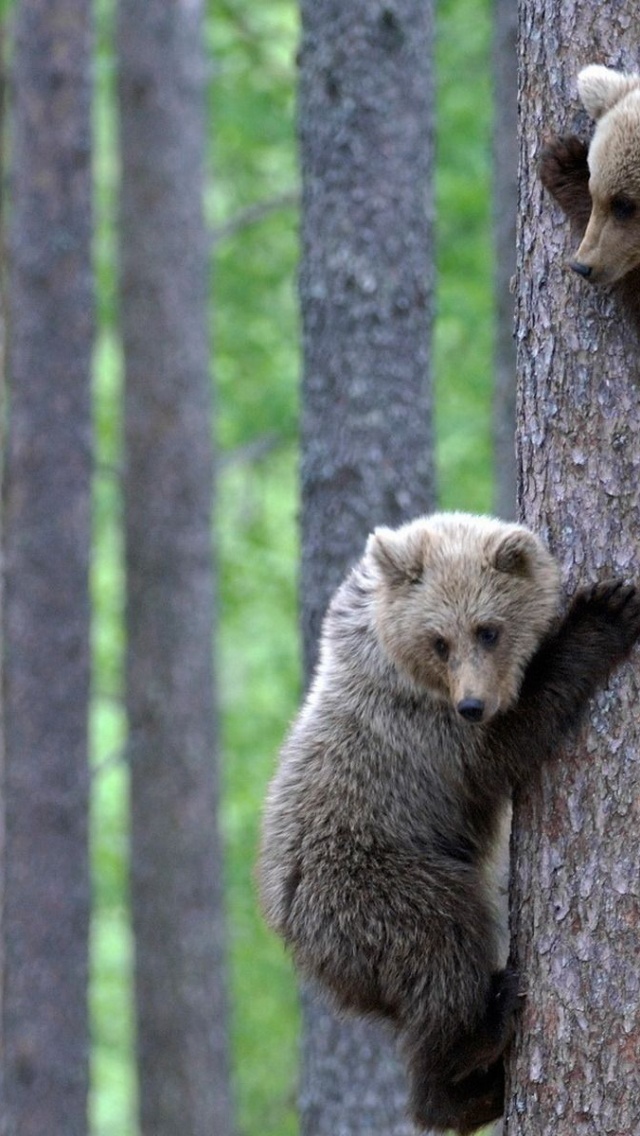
(252, 214)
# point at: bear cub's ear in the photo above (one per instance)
(516, 554)
(398, 553)
(600, 88)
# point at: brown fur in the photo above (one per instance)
(564, 171)
(598, 185)
(611, 244)
(388, 804)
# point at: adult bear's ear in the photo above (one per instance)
(600, 88)
(399, 554)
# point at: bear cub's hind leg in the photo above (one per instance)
(463, 1107)
(495, 1031)
(466, 1090)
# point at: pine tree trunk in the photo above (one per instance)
(365, 120)
(575, 899)
(47, 534)
(3, 412)
(505, 201)
(176, 880)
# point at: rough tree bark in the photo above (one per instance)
(505, 201)
(3, 411)
(47, 535)
(365, 116)
(176, 859)
(575, 898)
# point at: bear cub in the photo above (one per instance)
(446, 677)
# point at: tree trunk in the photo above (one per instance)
(505, 200)
(3, 412)
(365, 122)
(47, 534)
(176, 881)
(575, 902)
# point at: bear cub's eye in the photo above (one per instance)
(623, 208)
(441, 648)
(487, 636)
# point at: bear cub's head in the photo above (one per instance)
(461, 605)
(611, 244)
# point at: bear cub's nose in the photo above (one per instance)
(471, 708)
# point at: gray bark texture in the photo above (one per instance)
(505, 203)
(575, 900)
(176, 875)
(365, 125)
(47, 539)
(3, 411)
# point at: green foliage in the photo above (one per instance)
(112, 1103)
(255, 332)
(112, 1106)
(256, 370)
(252, 212)
(463, 334)
(258, 679)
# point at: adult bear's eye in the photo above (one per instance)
(488, 636)
(623, 208)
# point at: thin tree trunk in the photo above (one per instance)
(176, 879)
(3, 411)
(505, 201)
(365, 120)
(47, 534)
(575, 901)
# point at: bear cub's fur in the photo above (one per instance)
(446, 677)
(597, 184)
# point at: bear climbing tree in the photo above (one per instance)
(575, 903)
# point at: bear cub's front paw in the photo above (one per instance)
(611, 611)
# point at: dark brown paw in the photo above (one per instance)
(507, 995)
(481, 1100)
(462, 1108)
(564, 172)
(485, 1046)
(613, 608)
